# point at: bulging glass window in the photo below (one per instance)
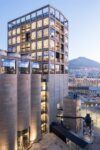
(45, 44)
(46, 21)
(52, 44)
(39, 45)
(45, 32)
(18, 48)
(33, 35)
(39, 34)
(33, 46)
(18, 30)
(14, 32)
(33, 25)
(14, 40)
(39, 23)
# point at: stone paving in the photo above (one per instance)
(50, 142)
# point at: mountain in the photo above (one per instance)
(82, 62)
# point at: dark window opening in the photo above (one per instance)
(28, 36)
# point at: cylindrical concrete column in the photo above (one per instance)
(8, 112)
(23, 102)
(35, 130)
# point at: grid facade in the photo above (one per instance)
(43, 35)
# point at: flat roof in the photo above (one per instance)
(39, 9)
(66, 134)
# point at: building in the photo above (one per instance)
(71, 111)
(83, 81)
(20, 102)
(37, 66)
(43, 36)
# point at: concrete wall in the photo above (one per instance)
(24, 101)
(8, 112)
(72, 108)
(58, 89)
(35, 130)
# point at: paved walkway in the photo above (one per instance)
(50, 142)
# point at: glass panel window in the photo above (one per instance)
(9, 41)
(14, 40)
(9, 33)
(45, 44)
(33, 55)
(18, 39)
(14, 32)
(18, 30)
(57, 68)
(39, 55)
(39, 23)
(52, 55)
(34, 25)
(52, 44)
(39, 34)
(33, 46)
(45, 68)
(46, 21)
(45, 56)
(52, 22)
(52, 68)
(45, 32)
(43, 86)
(52, 32)
(28, 26)
(39, 45)
(18, 48)
(33, 35)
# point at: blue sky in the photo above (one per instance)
(83, 16)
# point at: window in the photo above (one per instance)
(8, 66)
(27, 44)
(9, 41)
(28, 26)
(45, 56)
(18, 48)
(52, 22)
(9, 33)
(45, 21)
(45, 44)
(52, 32)
(18, 39)
(45, 32)
(52, 55)
(39, 55)
(33, 45)
(14, 32)
(33, 55)
(23, 47)
(39, 34)
(43, 86)
(28, 36)
(45, 68)
(33, 35)
(52, 44)
(39, 45)
(52, 68)
(39, 23)
(34, 25)
(57, 68)
(43, 95)
(18, 30)
(14, 40)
